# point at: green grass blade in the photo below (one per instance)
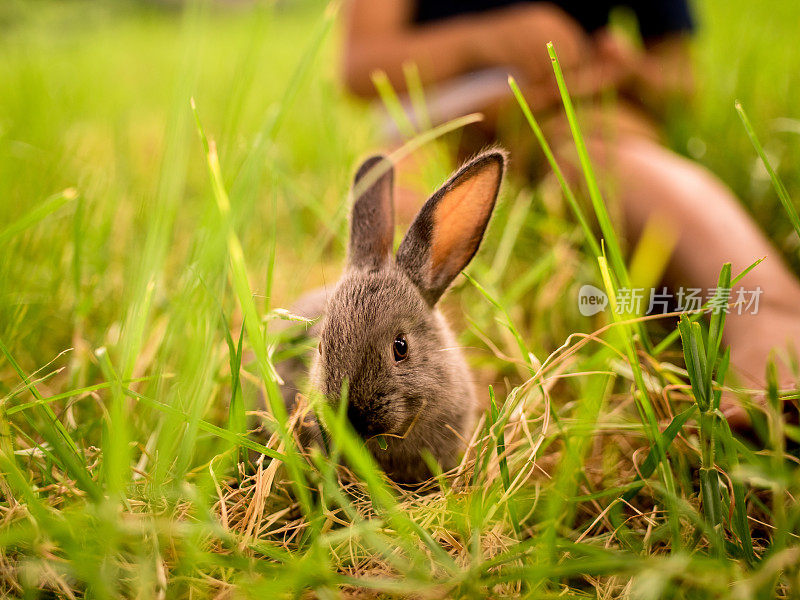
(71, 394)
(694, 358)
(500, 443)
(243, 185)
(416, 94)
(65, 450)
(14, 481)
(780, 189)
(777, 441)
(641, 394)
(670, 338)
(609, 235)
(591, 240)
(509, 323)
(651, 461)
(410, 147)
(392, 103)
(30, 218)
(722, 370)
(241, 285)
(220, 432)
(237, 420)
(163, 206)
(740, 523)
(718, 314)
(116, 441)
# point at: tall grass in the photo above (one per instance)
(165, 198)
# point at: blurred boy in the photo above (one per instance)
(453, 42)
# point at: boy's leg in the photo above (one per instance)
(652, 182)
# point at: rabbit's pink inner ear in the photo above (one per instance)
(448, 229)
(460, 219)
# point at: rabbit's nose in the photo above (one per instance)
(363, 425)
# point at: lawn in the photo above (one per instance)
(170, 178)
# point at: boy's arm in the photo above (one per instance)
(380, 35)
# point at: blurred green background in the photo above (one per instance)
(95, 100)
(92, 92)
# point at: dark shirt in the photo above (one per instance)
(656, 17)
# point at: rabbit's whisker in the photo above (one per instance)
(451, 348)
(410, 426)
(458, 434)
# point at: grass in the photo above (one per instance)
(164, 198)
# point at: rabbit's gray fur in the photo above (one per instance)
(428, 398)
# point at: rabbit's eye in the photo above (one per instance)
(400, 348)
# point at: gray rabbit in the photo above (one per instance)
(381, 331)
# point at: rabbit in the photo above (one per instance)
(380, 329)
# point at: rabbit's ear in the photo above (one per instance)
(372, 218)
(448, 229)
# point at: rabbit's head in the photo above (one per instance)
(382, 333)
